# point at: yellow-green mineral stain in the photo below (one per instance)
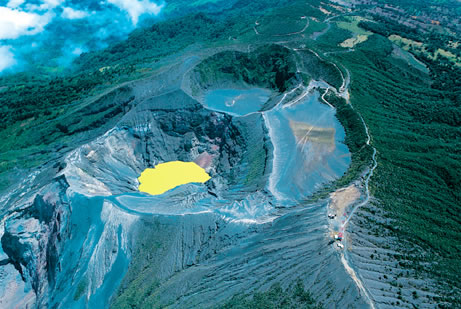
(169, 175)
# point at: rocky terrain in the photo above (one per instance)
(83, 231)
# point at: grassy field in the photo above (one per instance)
(349, 43)
(351, 24)
(404, 42)
(419, 47)
(292, 19)
(409, 59)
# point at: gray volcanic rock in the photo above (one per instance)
(32, 238)
(83, 236)
(71, 237)
(167, 266)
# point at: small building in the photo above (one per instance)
(339, 236)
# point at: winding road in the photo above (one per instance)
(344, 253)
(286, 34)
(344, 93)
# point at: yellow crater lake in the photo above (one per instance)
(169, 175)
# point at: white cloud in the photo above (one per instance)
(52, 3)
(6, 58)
(15, 3)
(70, 13)
(14, 23)
(77, 51)
(45, 5)
(136, 8)
(20, 18)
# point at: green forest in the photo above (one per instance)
(416, 129)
